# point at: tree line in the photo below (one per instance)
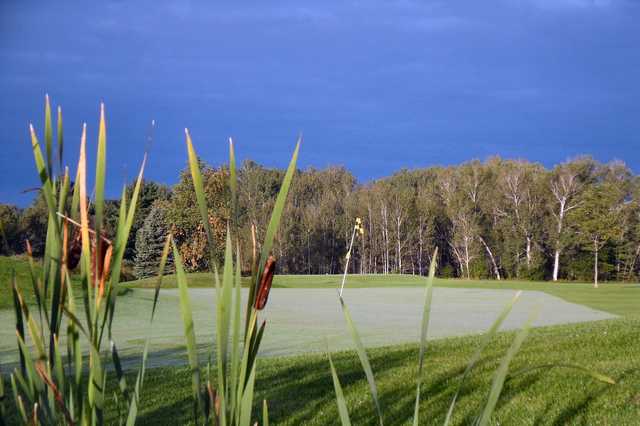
(501, 219)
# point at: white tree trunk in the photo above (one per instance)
(493, 260)
(595, 265)
(467, 257)
(556, 264)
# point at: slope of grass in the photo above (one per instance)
(20, 265)
(619, 299)
(299, 389)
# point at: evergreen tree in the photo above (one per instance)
(150, 240)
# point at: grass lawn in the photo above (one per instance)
(299, 389)
(20, 265)
(619, 299)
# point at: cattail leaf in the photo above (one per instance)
(246, 403)
(19, 318)
(189, 332)
(486, 339)
(274, 223)
(196, 175)
(580, 368)
(3, 397)
(223, 313)
(364, 359)
(501, 373)
(235, 339)
(48, 134)
(342, 403)
(73, 340)
(101, 166)
(133, 404)
(18, 399)
(255, 344)
(84, 229)
(45, 179)
(33, 381)
(120, 244)
(426, 312)
(265, 413)
(122, 380)
(60, 140)
(233, 184)
(58, 369)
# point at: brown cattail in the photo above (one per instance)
(75, 250)
(265, 283)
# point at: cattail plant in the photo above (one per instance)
(226, 398)
(46, 388)
(500, 376)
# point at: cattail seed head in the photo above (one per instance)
(265, 283)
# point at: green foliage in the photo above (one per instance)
(184, 216)
(9, 230)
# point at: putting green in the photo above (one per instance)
(302, 320)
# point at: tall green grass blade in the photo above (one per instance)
(235, 339)
(196, 175)
(233, 184)
(426, 313)
(3, 398)
(133, 405)
(274, 223)
(486, 339)
(60, 140)
(594, 374)
(19, 318)
(244, 365)
(364, 359)
(255, 344)
(75, 198)
(35, 384)
(501, 373)
(265, 413)
(18, 399)
(74, 352)
(122, 380)
(223, 313)
(246, 403)
(32, 325)
(45, 178)
(120, 244)
(58, 369)
(189, 332)
(101, 166)
(48, 135)
(57, 298)
(342, 403)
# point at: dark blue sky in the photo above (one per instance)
(373, 85)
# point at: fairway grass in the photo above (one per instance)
(615, 298)
(299, 389)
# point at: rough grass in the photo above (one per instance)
(299, 389)
(20, 265)
(616, 298)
